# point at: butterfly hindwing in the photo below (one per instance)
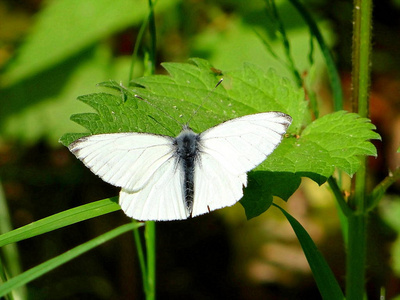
(146, 168)
(161, 199)
(215, 186)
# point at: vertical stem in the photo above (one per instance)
(150, 230)
(142, 261)
(355, 277)
(150, 236)
(361, 55)
(148, 261)
(356, 256)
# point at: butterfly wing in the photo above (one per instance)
(142, 164)
(228, 151)
(161, 199)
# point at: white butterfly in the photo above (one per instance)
(166, 178)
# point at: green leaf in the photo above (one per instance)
(257, 198)
(62, 219)
(247, 90)
(333, 141)
(326, 281)
(261, 188)
(53, 263)
(65, 27)
(170, 101)
(114, 114)
(266, 91)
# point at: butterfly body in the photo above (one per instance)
(165, 178)
(187, 152)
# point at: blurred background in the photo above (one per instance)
(54, 51)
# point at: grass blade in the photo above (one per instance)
(330, 64)
(10, 260)
(271, 7)
(55, 262)
(326, 282)
(62, 219)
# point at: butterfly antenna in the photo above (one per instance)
(202, 102)
(155, 120)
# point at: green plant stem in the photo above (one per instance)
(150, 236)
(357, 236)
(381, 188)
(142, 262)
(150, 229)
(361, 56)
(356, 252)
(339, 197)
(355, 277)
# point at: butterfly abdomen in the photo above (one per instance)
(187, 149)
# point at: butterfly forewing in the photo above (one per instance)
(243, 143)
(127, 160)
(228, 151)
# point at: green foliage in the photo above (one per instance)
(54, 222)
(170, 101)
(330, 64)
(55, 262)
(38, 89)
(327, 284)
(390, 213)
(62, 219)
(71, 47)
(36, 107)
(333, 141)
(64, 55)
(267, 91)
(263, 185)
(62, 31)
